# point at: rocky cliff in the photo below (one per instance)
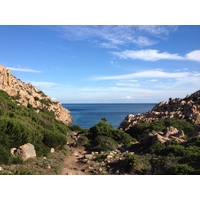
(187, 108)
(30, 96)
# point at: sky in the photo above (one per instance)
(104, 64)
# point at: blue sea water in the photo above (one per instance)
(87, 115)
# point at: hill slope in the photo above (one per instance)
(187, 108)
(28, 95)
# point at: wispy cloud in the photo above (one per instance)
(24, 70)
(158, 30)
(115, 36)
(147, 74)
(147, 54)
(126, 97)
(154, 55)
(43, 84)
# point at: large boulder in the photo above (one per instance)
(25, 151)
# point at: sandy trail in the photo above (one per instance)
(72, 164)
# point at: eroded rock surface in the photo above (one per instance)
(187, 108)
(28, 95)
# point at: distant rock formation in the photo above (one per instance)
(187, 108)
(28, 95)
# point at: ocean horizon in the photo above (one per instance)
(86, 115)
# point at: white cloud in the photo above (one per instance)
(148, 55)
(24, 70)
(158, 30)
(193, 55)
(113, 36)
(153, 80)
(148, 74)
(154, 55)
(43, 84)
(126, 97)
(143, 41)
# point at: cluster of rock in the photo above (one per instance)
(27, 94)
(105, 159)
(187, 108)
(170, 133)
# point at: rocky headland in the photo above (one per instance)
(187, 109)
(30, 96)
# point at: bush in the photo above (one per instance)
(54, 140)
(75, 128)
(140, 130)
(104, 143)
(107, 130)
(182, 169)
(5, 155)
(135, 164)
(82, 140)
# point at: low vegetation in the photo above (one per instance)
(135, 155)
(20, 125)
(103, 137)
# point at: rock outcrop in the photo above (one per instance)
(25, 151)
(170, 133)
(187, 108)
(28, 95)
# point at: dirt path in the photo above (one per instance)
(73, 165)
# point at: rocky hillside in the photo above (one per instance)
(187, 108)
(30, 96)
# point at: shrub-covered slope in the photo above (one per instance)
(20, 125)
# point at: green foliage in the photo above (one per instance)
(182, 169)
(105, 137)
(82, 140)
(104, 143)
(55, 140)
(140, 130)
(102, 128)
(20, 125)
(135, 164)
(24, 171)
(75, 128)
(5, 155)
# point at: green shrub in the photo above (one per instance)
(182, 169)
(140, 130)
(135, 164)
(104, 143)
(75, 128)
(24, 171)
(82, 140)
(54, 140)
(5, 155)
(104, 129)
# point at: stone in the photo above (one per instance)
(27, 151)
(52, 150)
(109, 157)
(88, 156)
(76, 154)
(156, 138)
(12, 151)
(179, 134)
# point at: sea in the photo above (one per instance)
(86, 115)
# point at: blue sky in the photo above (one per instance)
(104, 64)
